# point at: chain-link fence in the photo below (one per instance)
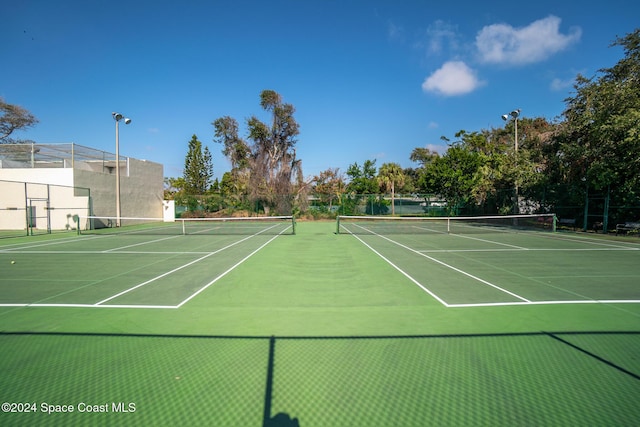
(577, 207)
(28, 208)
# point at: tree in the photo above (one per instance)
(362, 178)
(173, 188)
(329, 186)
(13, 118)
(423, 155)
(198, 168)
(362, 190)
(485, 164)
(273, 171)
(274, 162)
(599, 140)
(235, 148)
(453, 176)
(239, 154)
(390, 175)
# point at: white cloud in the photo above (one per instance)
(504, 44)
(559, 84)
(433, 125)
(453, 78)
(436, 148)
(395, 32)
(441, 34)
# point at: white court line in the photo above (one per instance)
(587, 240)
(114, 253)
(465, 250)
(139, 244)
(101, 305)
(89, 305)
(177, 269)
(404, 273)
(474, 238)
(615, 249)
(207, 230)
(55, 242)
(160, 276)
(230, 269)
(446, 265)
(491, 241)
(498, 304)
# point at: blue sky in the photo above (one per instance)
(369, 79)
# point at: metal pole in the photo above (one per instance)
(48, 208)
(26, 207)
(586, 208)
(117, 176)
(516, 207)
(516, 140)
(605, 219)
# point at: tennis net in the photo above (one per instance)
(444, 225)
(270, 225)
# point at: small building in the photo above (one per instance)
(45, 186)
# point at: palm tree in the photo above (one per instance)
(390, 175)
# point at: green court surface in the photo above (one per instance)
(320, 329)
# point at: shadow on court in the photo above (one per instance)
(292, 381)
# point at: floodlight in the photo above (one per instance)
(514, 115)
(117, 117)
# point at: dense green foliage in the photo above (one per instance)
(198, 168)
(597, 143)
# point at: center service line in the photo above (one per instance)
(446, 265)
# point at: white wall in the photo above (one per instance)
(43, 205)
(141, 193)
(58, 176)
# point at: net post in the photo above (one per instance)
(76, 219)
(293, 223)
(554, 223)
(449, 225)
(184, 230)
(337, 224)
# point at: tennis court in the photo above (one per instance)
(361, 323)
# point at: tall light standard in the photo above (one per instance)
(514, 115)
(117, 117)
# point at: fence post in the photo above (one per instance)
(586, 209)
(605, 219)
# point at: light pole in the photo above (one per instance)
(514, 115)
(117, 117)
